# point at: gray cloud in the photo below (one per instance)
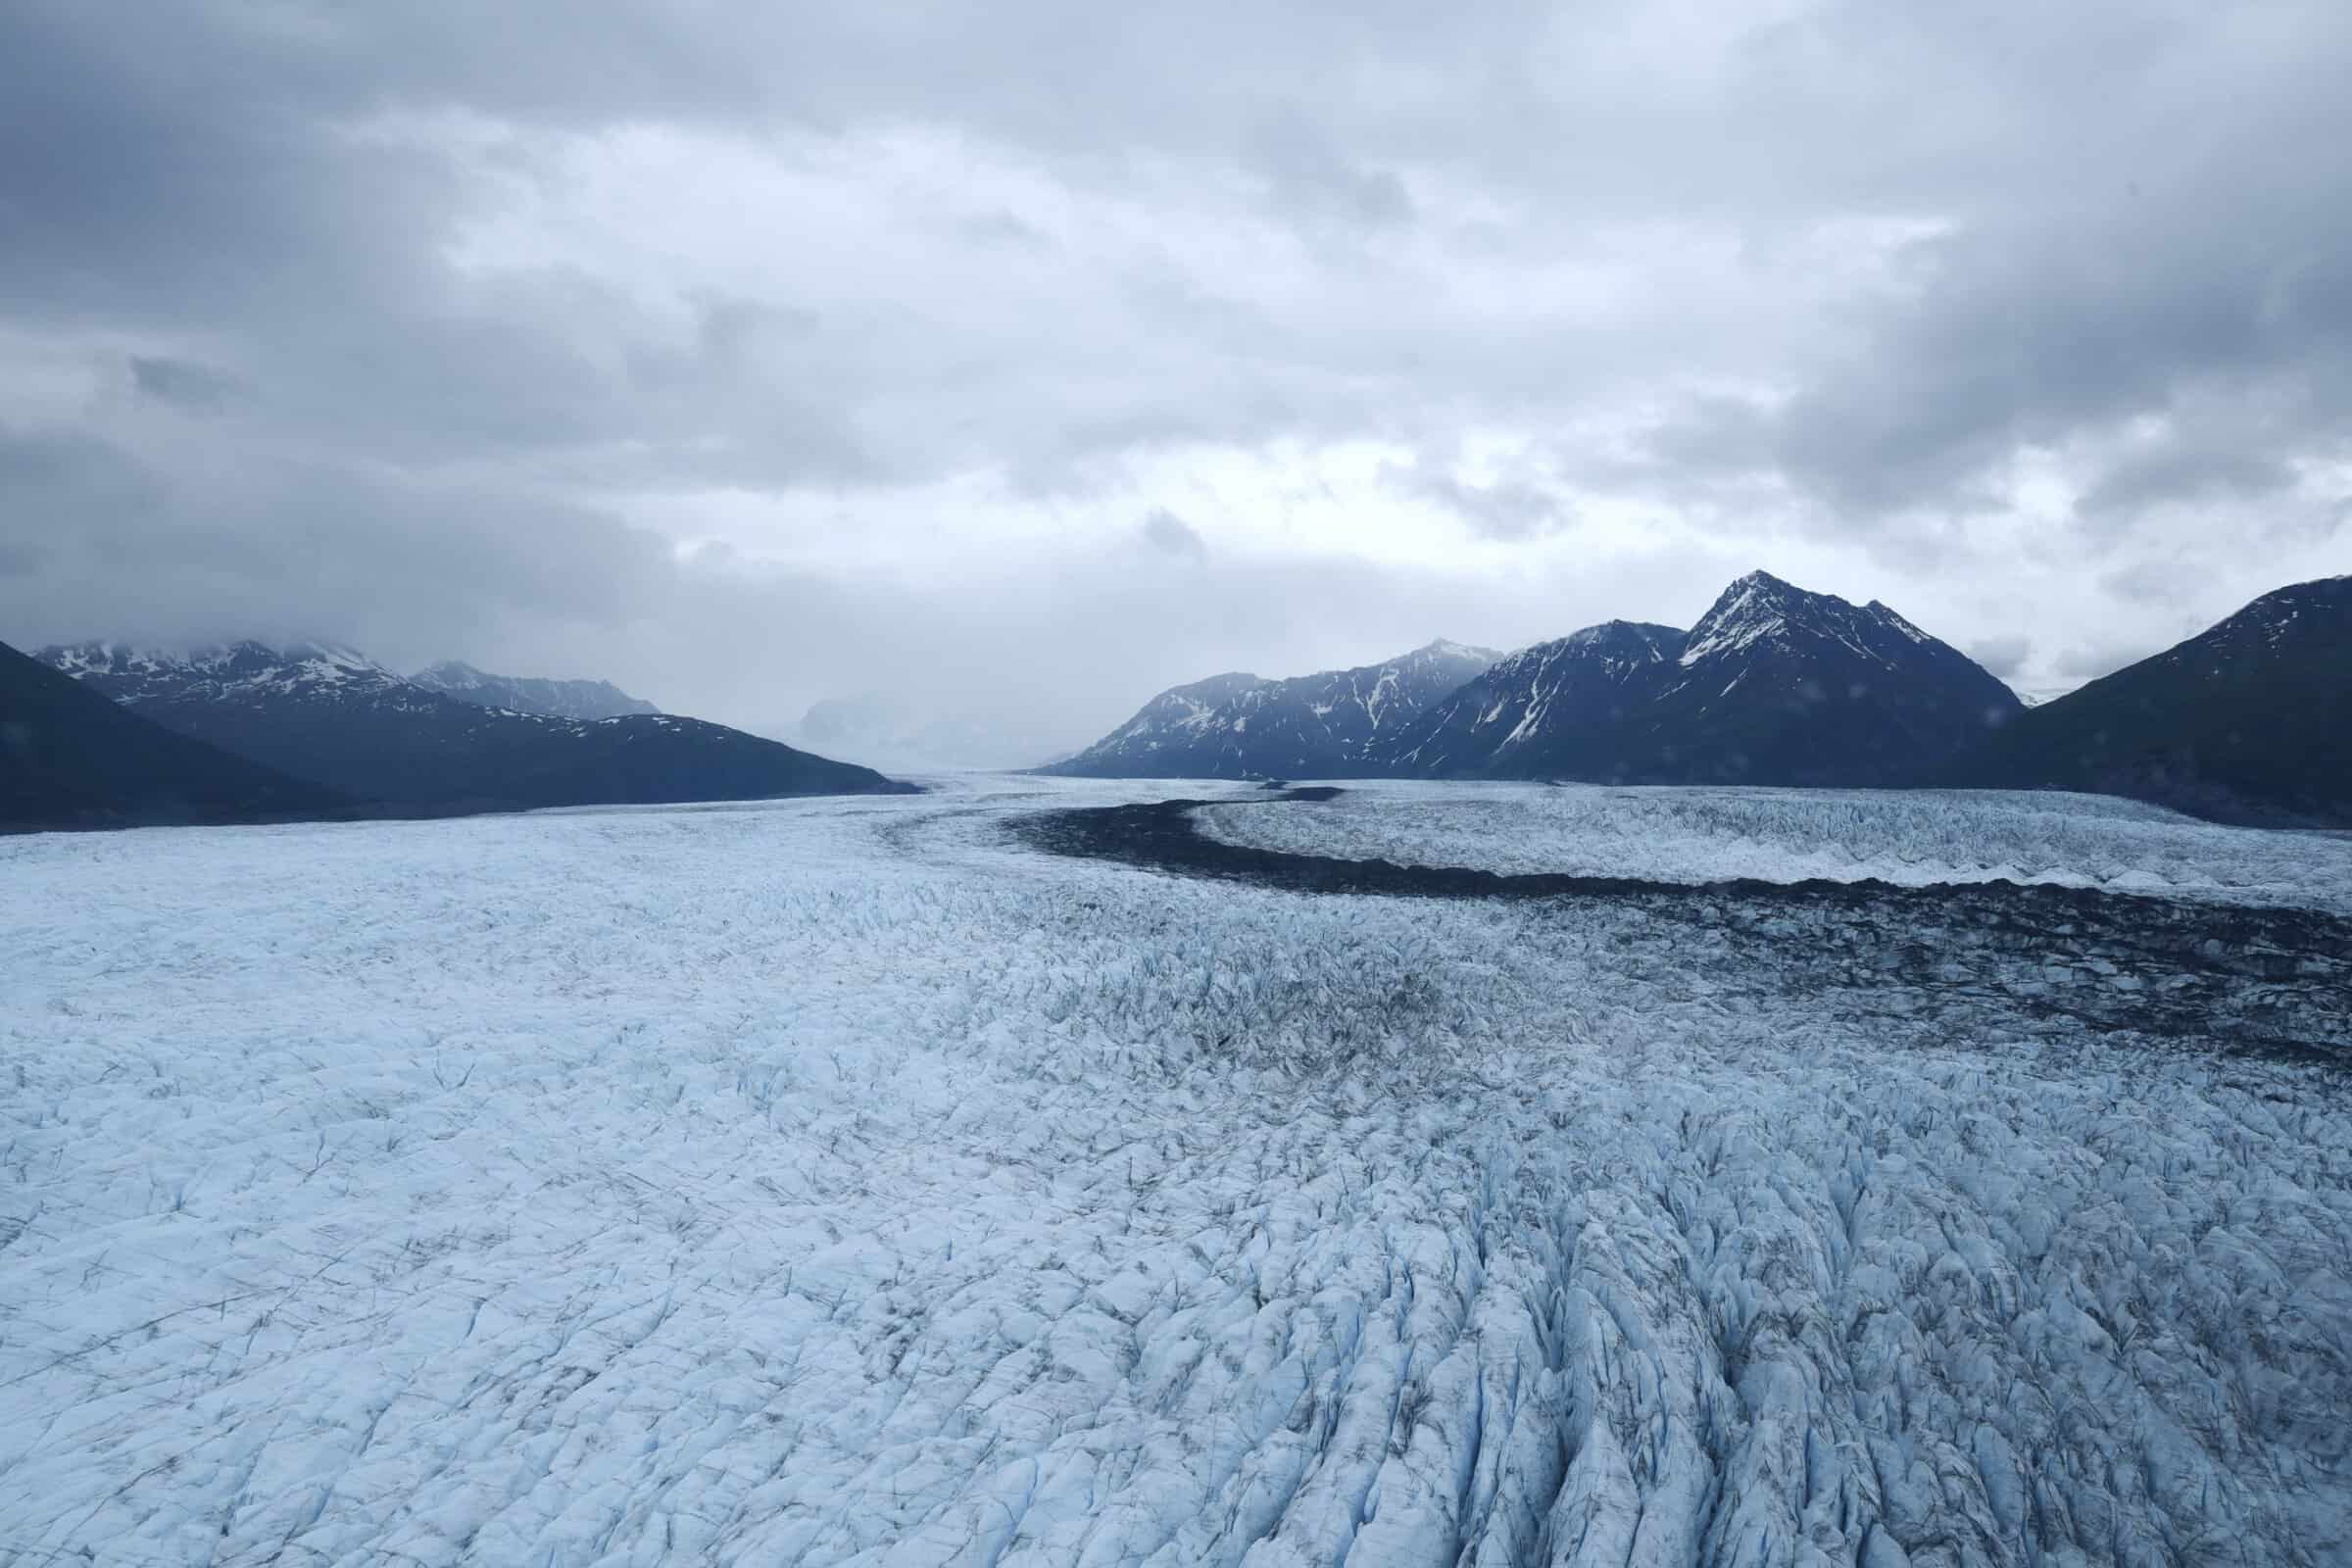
(1506, 508)
(1169, 534)
(2093, 264)
(466, 329)
(2165, 583)
(182, 383)
(56, 483)
(288, 548)
(2083, 661)
(2005, 657)
(1305, 174)
(2174, 476)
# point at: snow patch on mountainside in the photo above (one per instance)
(1749, 612)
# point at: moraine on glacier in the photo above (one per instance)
(876, 1181)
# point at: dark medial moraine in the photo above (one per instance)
(2052, 962)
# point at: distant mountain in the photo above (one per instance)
(69, 758)
(330, 715)
(518, 693)
(1774, 685)
(1336, 724)
(2249, 720)
(1550, 708)
(887, 732)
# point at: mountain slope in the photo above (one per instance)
(2249, 720)
(1560, 696)
(329, 714)
(69, 758)
(1334, 724)
(519, 693)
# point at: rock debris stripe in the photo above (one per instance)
(2266, 982)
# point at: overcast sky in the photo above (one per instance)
(1033, 356)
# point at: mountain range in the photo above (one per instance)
(549, 699)
(2250, 721)
(345, 726)
(1776, 685)
(1342, 723)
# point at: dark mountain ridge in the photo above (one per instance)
(330, 715)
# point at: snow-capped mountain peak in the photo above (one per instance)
(241, 671)
(518, 694)
(1775, 684)
(1760, 612)
(1752, 608)
(1445, 647)
(1632, 634)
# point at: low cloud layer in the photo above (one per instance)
(1043, 355)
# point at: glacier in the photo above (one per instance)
(1912, 838)
(850, 1181)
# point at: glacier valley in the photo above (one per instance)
(861, 1181)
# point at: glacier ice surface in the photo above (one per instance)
(846, 1182)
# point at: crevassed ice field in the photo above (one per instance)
(852, 1182)
(1918, 838)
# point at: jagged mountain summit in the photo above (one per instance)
(1551, 698)
(2249, 720)
(69, 758)
(330, 715)
(1774, 685)
(1334, 724)
(523, 694)
(228, 673)
(1779, 685)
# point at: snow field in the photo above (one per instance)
(1911, 837)
(840, 1182)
